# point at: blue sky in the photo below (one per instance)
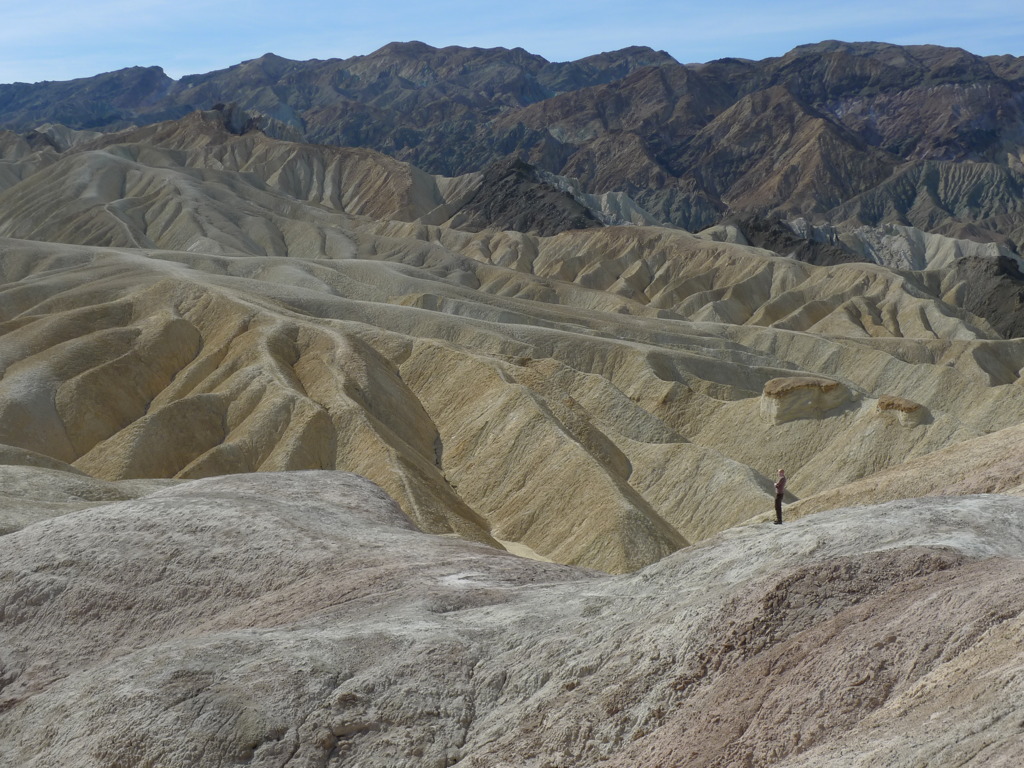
(64, 39)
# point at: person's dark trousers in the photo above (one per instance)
(778, 508)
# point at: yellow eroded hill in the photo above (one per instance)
(178, 302)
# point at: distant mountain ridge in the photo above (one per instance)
(839, 133)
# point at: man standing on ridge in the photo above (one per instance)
(780, 491)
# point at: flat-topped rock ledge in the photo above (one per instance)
(907, 412)
(801, 397)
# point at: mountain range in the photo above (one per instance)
(841, 133)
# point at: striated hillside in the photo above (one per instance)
(183, 300)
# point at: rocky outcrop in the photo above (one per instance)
(907, 412)
(511, 195)
(801, 397)
(786, 239)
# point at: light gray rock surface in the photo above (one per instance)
(35, 487)
(298, 619)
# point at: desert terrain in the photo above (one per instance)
(311, 455)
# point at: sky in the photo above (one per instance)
(66, 39)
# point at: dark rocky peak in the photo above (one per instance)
(484, 77)
(632, 56)
(425, 65)
(266, 70)
(513, 195)
(827, 70)
(117, 77)
(122, 85)
(834, 69)
(775, 234)
(36, 140)
(952, 65)
(1010, 68)
(235, 119)
(893, 55)
(270, 65)
(110, 99)
(601, 68)
(413, 49)
(736, 76)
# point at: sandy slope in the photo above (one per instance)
(180, 301)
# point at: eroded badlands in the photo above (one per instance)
(203, 333)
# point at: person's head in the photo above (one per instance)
(782, 473)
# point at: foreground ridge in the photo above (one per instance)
(299, 616)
